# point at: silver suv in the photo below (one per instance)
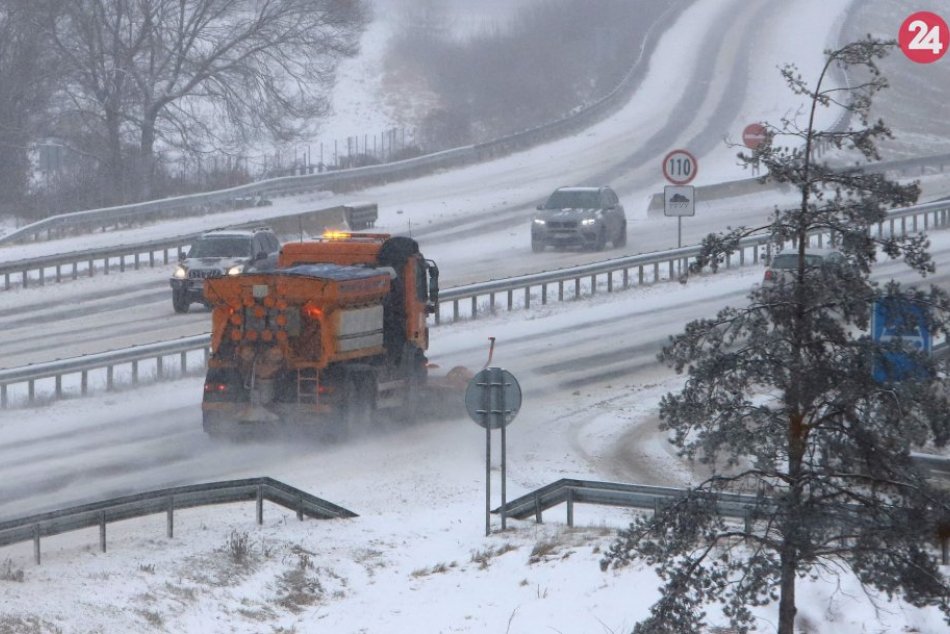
(218, 253)
(586, 217)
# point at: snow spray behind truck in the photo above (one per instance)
(335, 331)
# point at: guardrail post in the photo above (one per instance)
(59, 273)
(511, 299)
(610, 281)
(171, 517)
(59, 386)
(184, 363)
(626, 279)
(656, 272)
(300, 508)
(593, 284)
(135, 372)
(36, 543)
(537, 509)
(474, 307)
(102, 531)
(640, 275)
(544, 294)
(570, 507)
(25, 278)
(109, 378)
(527, 296)
(75, 270)
(84, 382)
(491, 302)
(92, 267)
(105, 265)
(42, 276)
(159, 369)
(455, 310)
(136, 261)
(260, 504)
(122, 263)
(577, 288)
(560, 290)
(30, 390)
(3, 396)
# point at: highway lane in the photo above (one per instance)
(99, 447)
(474, 222)
(576, 362)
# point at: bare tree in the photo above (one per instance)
(199, 75)
(25, 81)
(792, 404)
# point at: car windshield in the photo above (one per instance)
(223, 247)
(790, 261)
(567, 199)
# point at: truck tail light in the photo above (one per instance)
(769, 275)
(216, 388)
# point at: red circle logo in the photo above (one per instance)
(924, 37)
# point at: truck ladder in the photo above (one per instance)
(307, 385)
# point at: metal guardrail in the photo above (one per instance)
(166, 501)
(570, 491)
(349, 178)
(905, 167)
(639, 496)
(59, 267)
(480, 298)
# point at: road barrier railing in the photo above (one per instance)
(465, 302)
(38, 271)
(735, 506)
(35, 527)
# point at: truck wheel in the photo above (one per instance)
(621, 240)
(357, 408)
(359, 405)
(180, 302)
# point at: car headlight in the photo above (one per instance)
(180, 273)
(539, 221)
(237, 269)
(588, 221)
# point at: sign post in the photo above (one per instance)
(493, 398)
(679, 168)
(679, 201)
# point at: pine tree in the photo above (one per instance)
(790, 401)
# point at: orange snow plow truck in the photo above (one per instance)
(334, 332)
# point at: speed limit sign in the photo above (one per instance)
(679, 167)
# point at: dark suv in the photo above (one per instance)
(218, 253)
(586, 217)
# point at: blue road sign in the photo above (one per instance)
(896, 318)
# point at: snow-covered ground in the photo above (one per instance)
(416, 559)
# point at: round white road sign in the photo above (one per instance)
(680, 167)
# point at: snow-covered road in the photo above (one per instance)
(408, 562)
